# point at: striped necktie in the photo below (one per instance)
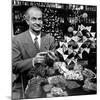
(36, 42)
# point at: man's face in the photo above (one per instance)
(35, 20)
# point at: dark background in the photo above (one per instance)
(57, 17)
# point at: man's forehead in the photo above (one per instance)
(34, 10)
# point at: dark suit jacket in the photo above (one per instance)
(23, 50)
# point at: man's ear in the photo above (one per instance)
(26, 19)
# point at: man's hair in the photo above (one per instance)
(26, 15)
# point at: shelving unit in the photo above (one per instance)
(57, 17)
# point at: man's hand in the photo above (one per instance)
(39, 58)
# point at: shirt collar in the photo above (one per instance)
(33, 36)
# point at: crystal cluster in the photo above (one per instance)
(61, 69)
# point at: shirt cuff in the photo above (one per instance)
(33, 62)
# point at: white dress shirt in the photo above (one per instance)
(33, 37)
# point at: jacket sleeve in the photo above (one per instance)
(19, 64)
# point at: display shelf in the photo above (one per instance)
(57, 17)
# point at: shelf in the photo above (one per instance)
(19, 22)
(61, 12)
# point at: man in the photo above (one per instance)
(26, 50)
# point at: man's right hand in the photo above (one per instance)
(39, 58)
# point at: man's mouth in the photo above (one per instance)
(37, 26)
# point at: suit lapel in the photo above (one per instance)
(29, 45)
(44, 44)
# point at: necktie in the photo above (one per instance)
(36, 42)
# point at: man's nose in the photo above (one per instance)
(38, 21)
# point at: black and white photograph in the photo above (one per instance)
(54, 49)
